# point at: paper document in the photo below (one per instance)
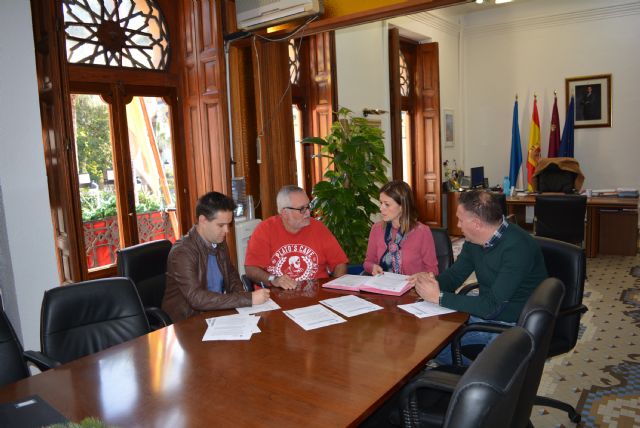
(269, 305)
(350, 305)
(312, 317)
(425, 309)
(231, 327)
(388, 283)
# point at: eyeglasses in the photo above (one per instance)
(302, 209)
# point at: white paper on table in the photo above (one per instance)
(350, 305)
(231, 327)
(425, 309)
(269, 305)
(312, 317)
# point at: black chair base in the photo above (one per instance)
(574, 416)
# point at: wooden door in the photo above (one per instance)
(426, 153)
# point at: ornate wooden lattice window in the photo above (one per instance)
(294, 62)
(119, 33)
(404, 76)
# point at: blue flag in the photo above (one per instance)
(516, 148)
(566, 144)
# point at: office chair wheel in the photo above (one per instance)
(575, 417)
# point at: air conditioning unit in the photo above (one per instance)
(254, 14)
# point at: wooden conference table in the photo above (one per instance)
(283, 377)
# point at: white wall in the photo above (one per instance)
(531, 48)
(362, 62)
(28, 261)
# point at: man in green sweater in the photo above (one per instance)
(507, 261)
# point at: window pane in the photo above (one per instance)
(118, 33)
(297, 136)
(91, 119)
(152, 164)
(406, 146)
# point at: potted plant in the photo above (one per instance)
(344, 201)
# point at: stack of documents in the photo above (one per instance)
(231, 327)
(388, 283)
(624, 192)
(425, 309)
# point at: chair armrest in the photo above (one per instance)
(578, 309)
(456, 351)
(40, 360)
(429, 379)
(157, 314)
(466, 289)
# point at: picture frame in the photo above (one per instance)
(592, 100)
(448, 128)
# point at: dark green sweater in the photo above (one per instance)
(507, 274)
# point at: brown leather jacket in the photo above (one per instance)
(186, 293)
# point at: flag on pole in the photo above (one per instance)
(533, 154)
(516, 148)
(566, 145)
(554, 134)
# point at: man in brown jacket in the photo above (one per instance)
(200, 276)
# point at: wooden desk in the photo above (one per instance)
(283, 377)
(595, 205)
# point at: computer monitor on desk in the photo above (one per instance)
(477, 177)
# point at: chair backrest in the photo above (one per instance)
(561, 217)
(554, 179)
(444, 251)
(568, 263)
(12, 364)
(538, 317)
(487, 393)
(87, 317)
(146, 265)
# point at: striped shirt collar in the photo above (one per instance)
(497, 234)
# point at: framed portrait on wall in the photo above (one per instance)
(448, 128)
(592, 100)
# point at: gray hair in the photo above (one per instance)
(283, 199)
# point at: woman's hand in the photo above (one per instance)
(376, 270)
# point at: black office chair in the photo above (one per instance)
(560, 217)
(87, 317)
(146, 265)
(13, 359)
(13, 365)
(538, 317)
(486, 395)
(567, 263)
(444, 251)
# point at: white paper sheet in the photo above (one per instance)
(312, 317)
(231, 327)
(269, 305)
(350, 305)
(425, 309)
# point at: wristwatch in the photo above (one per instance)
(272, 278)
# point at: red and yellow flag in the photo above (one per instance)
(533, 154)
